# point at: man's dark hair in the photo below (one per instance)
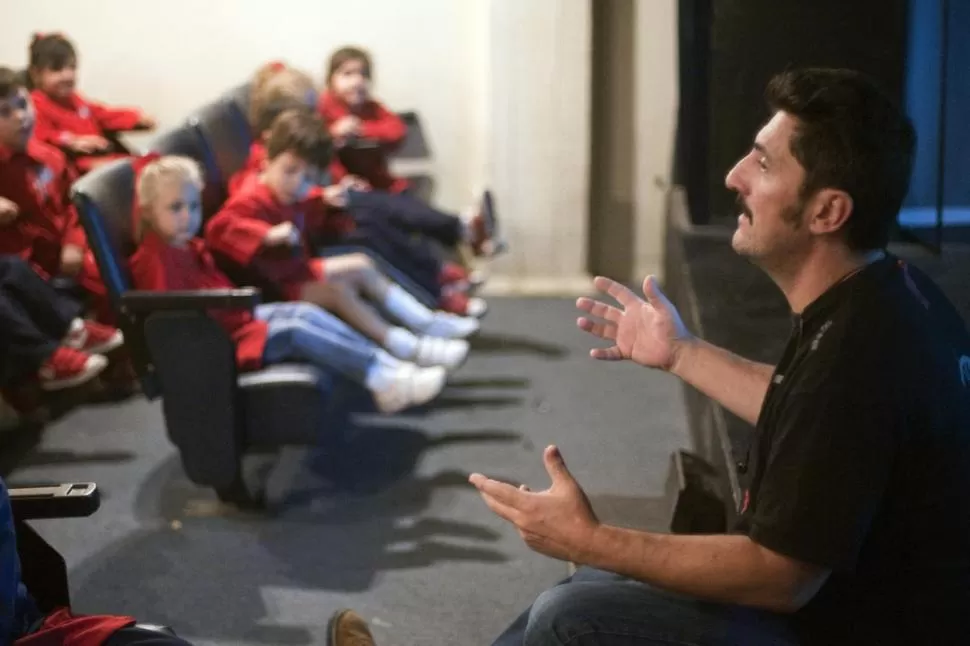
(849, 136)
(302, 133)
(10, 82)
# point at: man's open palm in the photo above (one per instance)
(647, 332)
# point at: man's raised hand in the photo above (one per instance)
(647, 331)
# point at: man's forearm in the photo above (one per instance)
(736, 383)
(724, 568)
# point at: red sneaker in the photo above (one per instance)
(94, 338)
(452, 272)
(67, 368)
(460, 303)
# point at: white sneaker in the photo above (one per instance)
(477, 307)
(410, 386)
(451, 326)
(435, 351)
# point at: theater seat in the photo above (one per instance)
(186, 141)
(239, 96)
(212, 414)
(226, 136)
(43, 570)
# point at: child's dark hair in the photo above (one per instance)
(10, 82)
(51, 52)
(347, 54)
(302, 133)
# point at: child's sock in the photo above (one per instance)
(401, 343)
(407, 309)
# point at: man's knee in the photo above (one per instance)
(555, 616)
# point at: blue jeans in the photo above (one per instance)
(304, 332)
(409, 214)
(606, 609)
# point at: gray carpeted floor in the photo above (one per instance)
(395, 532)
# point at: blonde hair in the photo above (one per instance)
(150, 179)
(264, 73)
(288, 84)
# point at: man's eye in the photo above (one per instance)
(763, 163)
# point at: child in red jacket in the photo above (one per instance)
(261, 230)
(170, 257)
(43, 228)
(383, 222)
(66, 119)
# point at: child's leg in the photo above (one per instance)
(415, 258)
(51, 312)
(359, 271)
(411, 214)
(304, 332)
(24, 347)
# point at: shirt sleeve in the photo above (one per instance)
(830, 458)
(234, 233)
(384, 126)
(114, 119)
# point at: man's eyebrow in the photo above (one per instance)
(761, 149)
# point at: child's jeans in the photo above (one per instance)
(306, 333)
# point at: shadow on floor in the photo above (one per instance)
(338, 524)
(491, 343)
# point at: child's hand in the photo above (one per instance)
(72, 257)
(9, 211)
(281, 235)
(87, 144)
(335, 195)
(146, 123)
(354, 183)
(345, 127)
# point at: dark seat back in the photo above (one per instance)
(226, 136)
(186, 141)
(240, 96)
(104, 199)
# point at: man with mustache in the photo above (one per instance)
(854, 526)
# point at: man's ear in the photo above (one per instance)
(830, 210)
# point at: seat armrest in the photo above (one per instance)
(68, 500)
(143, 302)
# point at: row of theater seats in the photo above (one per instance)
(214, 416)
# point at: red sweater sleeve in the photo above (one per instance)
(236, 232)
(114, 119)
(383, 126)
(46, 129)
(73, 231)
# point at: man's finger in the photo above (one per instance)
(556, 466)
(501, 510)
(623, 295)
(606, 354)
(500, 491)
(599, 310)
(603, 330)
(653, 293)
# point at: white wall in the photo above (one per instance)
(163, 57)
(502, 88)
(655, 107)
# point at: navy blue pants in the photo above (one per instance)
(34, 318)
(398, 228)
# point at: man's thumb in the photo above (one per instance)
(555, 465)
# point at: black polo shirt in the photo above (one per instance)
(861, 461)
